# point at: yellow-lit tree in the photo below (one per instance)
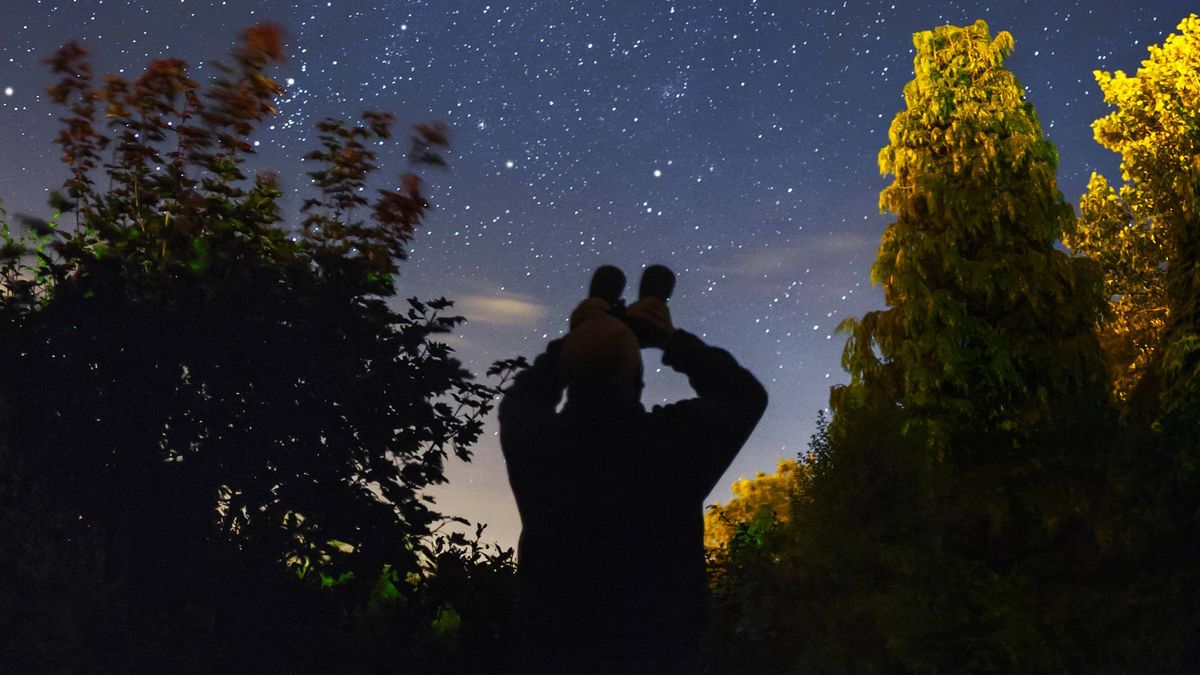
(764, 499)
(1132, 251)
(975, 505)
(972, 421)
(1146, 235)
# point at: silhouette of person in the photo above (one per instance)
(611, 558)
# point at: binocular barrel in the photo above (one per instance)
(657, 282)
(608, 283)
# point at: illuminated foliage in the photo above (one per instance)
(975, 505)
(766, 497)
(1132, 252)
(987, 346)
(987, 322)
(1148, 237)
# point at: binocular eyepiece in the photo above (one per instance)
(608, 283)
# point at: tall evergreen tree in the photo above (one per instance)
(986, 322)
(987, 348)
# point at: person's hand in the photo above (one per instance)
(592, 307)
(651, 320)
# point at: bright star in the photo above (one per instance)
(8, 91)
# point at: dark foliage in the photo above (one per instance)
(216, 431)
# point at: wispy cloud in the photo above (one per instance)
(499, 310)
(810, 252)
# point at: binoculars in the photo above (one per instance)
(608, 283)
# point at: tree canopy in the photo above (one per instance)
(762, 498)
(1146, 237)
(948, 511)
(209, 399)
(986, 320)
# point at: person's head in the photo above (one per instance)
(601, 360)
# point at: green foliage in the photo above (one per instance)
(216, 431)
(762, 499)
(987, 322)
(1146, 237)
(1156, 130)
(1131, 250)
(946, 521)
(975, 505)
(453, 615)
(219, 430)
(25, 264)
(1143, 235)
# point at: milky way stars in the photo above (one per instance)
(734, 141)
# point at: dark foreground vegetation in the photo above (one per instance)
(217, 429)
(216, 424)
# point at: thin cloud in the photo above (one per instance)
(810, 252)
(499, 311)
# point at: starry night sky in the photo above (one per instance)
(734, 141)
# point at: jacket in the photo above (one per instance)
(611, 556)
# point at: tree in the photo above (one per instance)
(1146, 237)
(746, 576)
(763, 498)
(772, 586)
(1131, 251)
(1156, 131)
(986, 363)
(982, 309)
(974, 505)
(1141, 235)
(212, 402)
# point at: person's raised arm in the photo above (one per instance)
(704, 433)
(531, 399)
